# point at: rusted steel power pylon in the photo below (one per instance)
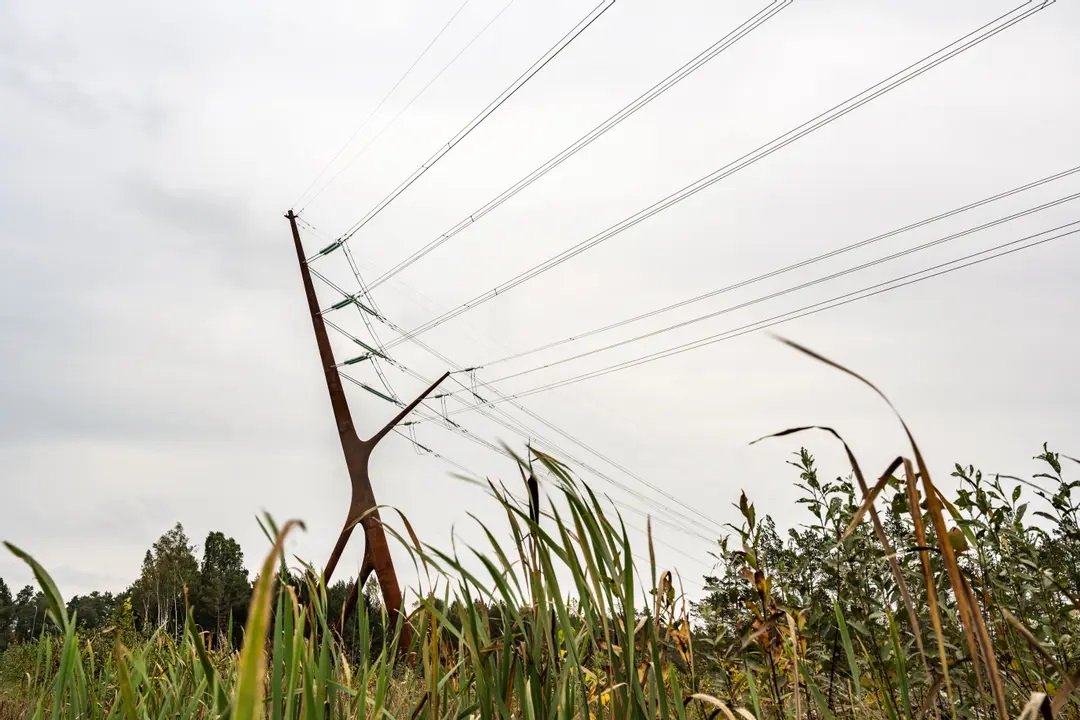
(363, 509)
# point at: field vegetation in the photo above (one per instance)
(893, 599)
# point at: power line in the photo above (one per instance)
(455, 427)
(964, 43)
(382, 102)
(494, 105)
(783, 270)
(423, 450)
(805, 311)
(409, 104)
(909, 73)
(687, 69)
(439, 456)
(795, 288)
(509, 423)
(527, 433)
(531, 435)
(422, 299)
(515, 426)
(473, 437)
(524, 431)
(661, 541)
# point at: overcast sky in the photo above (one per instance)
(157, 363)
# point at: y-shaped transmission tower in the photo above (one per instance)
(363, 509)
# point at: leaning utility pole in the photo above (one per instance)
(362, 508)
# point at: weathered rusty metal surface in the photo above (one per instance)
(363, 509)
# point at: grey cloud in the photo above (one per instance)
(75, 103)
(154, 345)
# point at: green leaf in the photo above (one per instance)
(845, 638)
(56, 608)
(127, 692)
(251, 671)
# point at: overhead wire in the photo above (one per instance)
(514, 425)
(836, 252)
(510, 423)
(393, 399)
(553, 52)
(507, 422)
(440, 456)
(811, 309)
(392, 395)
(966, 261)
(456, 427)
(359, 153)
(795, 288)
(379, 347)
(382, 102)
(661, 541)
(512, 399)
(673, 79)
(355, 298)
(782, 270)
(473, 437)
(666, 515)
(517, 427)
(895, 80)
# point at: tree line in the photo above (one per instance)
(172, 577)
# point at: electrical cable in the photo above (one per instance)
(456, 427)
(494, 105)
(895, 80)
(794, 288)
(673, 79)
(515, 426)
(382, 102)
(812, 309)
(971, 44)
(416, 97)
(508, 422)
(673, 517)
(783, 270)
(527, 433)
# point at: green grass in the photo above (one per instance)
(893, 602)
(512, 642)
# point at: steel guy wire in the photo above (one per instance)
(909, 73)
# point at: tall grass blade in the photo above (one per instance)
(849, 651)
(54, 601)
(970, 617)
(251, 670)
